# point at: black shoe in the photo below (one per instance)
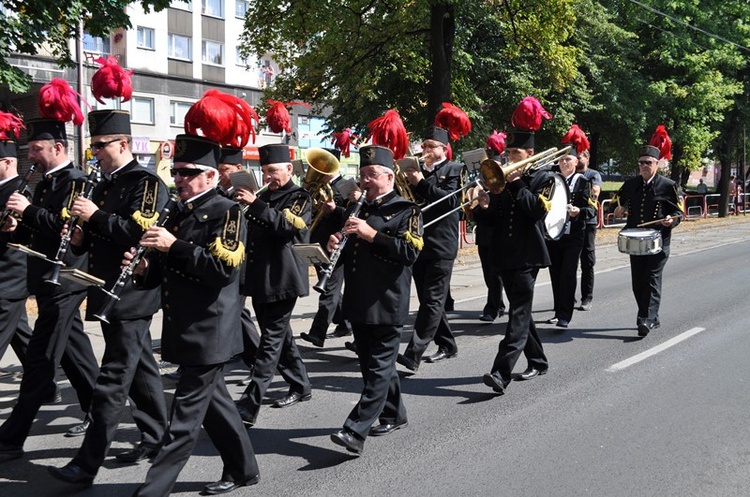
(10, 452)
(247, 417)
(224, 486)
(313, 339)
(71, 473)
(407, 363)
(349, 440)
(174, 375)
(246, 380)
(292, 399)
(79, 430)
(645, 327)
(501, 313)
(351, 346)
(529, 374)
(440, 355)
(585, 306)
(387, 428)
(137, 454)
(494, 382)
(341, 330)
(562, 323)
(552, 320)
(486, 318)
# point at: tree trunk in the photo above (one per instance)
(442, 35)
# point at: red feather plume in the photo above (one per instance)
(496, 142)
(389, 131)
(343, 140)
(111, 80)
(222, 118)
(528, 114)
(10, 126)
(576, 137)
(277, 115)
(454, 120)
(57, 100)
(662, 141)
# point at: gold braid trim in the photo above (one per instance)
(295, 221)
(546, 203)
(233, 258)
(417, 241)
(143, 221)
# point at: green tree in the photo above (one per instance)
(28, 24)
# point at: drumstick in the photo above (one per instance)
(656, 221)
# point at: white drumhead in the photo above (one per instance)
(555, 219)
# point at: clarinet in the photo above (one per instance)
(326, 272)
(54, 278)
(113, 295)
(24, 183)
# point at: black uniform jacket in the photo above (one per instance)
(580, 196)
(200, 278)
(41, 224)
(377, 275)
(440, 239)
(331, 222)
(276, 221)
(129, 203)
(516, 215)
(649, 202)
(12, 262)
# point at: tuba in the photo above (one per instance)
(322, 163)
(402, 182)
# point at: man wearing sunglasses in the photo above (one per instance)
(123, 205)
(649, 197)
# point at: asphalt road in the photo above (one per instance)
(615, 415)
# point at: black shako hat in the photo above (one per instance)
(274, 154)
(8, 148)
(336, 152)
(196, 150)
(375, 155)
(230, 155)
(45, 129)
(109, 122)
(519, 138)
(438, 134)
(649, 151)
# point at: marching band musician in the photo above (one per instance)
(385, 242)
(437, 178)
(14, 325)
(650, 197)
(196, 260)
(123, 206)
(58, 337)
(275, 277)
(565, 252)
(588, 254)
(329, 304)
(516, 213)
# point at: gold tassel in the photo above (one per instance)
(143, 221)
(545, 202)
(593, 203)
(295, 221)
(417, 241)
(616, 198)
(233, 258)
(65, 214)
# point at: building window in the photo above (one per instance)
(145, 38)
(213, 8)
(142, 110)
(240, 8)
(177, 112)
(179, 4)
(95, 44)
(180, 47)
(213, 52)
(240, 60)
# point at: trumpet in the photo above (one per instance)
(21, 187)
(113, 295)
(54, 278)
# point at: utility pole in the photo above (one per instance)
(79, 89)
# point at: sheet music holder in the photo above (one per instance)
(311, 253)
(345, 186)
(81, 277)
(244, 179)
(473, 159)
(408, 164)
(26, 250)
(298, 167)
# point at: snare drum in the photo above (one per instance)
(639, 241)
(557, 217)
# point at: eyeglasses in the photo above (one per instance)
(95, 147)
(432, 145)
(185, 172)
(646, 162)
(373, 175)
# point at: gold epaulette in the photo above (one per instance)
(147, 215)
(593, 203)
(417, 241)
(546, 203)
(143, 221)
(413, 235)
(228, 246)
(294, 220)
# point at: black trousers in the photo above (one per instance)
(646, 273)
(492, 280)
(520, 332)
(14, 328)
(432, 279)
(329, 303)
(128, 370)
(201, 396)
(250, 338)
(564, 255)
(277, 348)
(588, 261)
(57, 339)
(377, 348)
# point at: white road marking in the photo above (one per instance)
(654, 350)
